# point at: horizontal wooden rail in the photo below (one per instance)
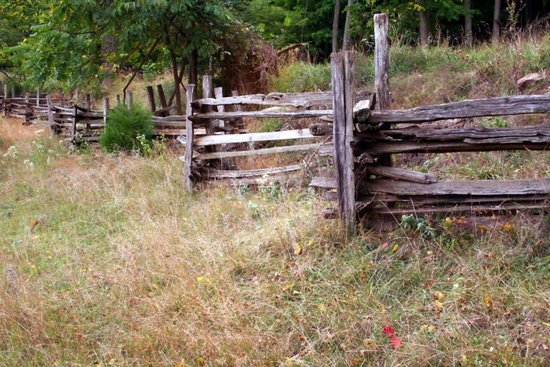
(252, 137)
(256, 152)
(260, 114)
(513, 105)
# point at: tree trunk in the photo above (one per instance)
(468, 24)
(423, 17)
(335, 26)
(496, 21)
(345, 45)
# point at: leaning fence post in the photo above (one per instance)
(151, 98)
(343, 85)
(189, 136)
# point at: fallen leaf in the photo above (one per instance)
(395, 248)
(297, 249)
(395, 342)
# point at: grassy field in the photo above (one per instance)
(106, 261)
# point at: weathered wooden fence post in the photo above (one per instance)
(151, 98)
(381, 70)
(105, 111)
(129, 99)
(37, 97)
(382, 61)
(343, 89)
(162, 96)
(189, 137)
(51, 121)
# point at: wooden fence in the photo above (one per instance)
(360, 141)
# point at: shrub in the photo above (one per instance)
(129, 130)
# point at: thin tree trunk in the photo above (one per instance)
(423, 17)
(335, 26)
(345, 45)
(496, 21)
(468, 24)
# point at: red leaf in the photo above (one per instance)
(395, 342)
(388, 330)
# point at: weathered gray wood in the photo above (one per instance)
(88, 104)
(265, 151)
(129, 99)
(447, 200)
(382, 61)
(401, 174)
(261, 114)
(298, 100)
(215, 173)
(162, 96)
(189, 138)
(51, 121)
(480, 188)
(320, 129)
(511, 105)
(471, 188)
(466, 209)
(151, 98)
(342, 66)
(105, 109)
(396, 147)
(361, 111)
(477, 134)
(253, 137)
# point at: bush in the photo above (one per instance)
(129, 130)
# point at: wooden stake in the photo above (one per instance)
(343, 85)
(151, 98)
(187, 173)
(50, 114)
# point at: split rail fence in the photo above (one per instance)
(360, 140)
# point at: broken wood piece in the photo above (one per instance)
(320, 129)
(401, 174)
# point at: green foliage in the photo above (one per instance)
(129, 130)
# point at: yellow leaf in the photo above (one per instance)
(395, 247)
(321, 307)
(439, 296)
(297, 249)
(431, 328)
(507, 227)
(488, 301)
(438, 304)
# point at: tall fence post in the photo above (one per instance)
(343, 89)
(37, 97)
(105, 111)
(51, 121)
(151, 98)
(189, 137)
(382, 61)
(129, 99)
(382, 71)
